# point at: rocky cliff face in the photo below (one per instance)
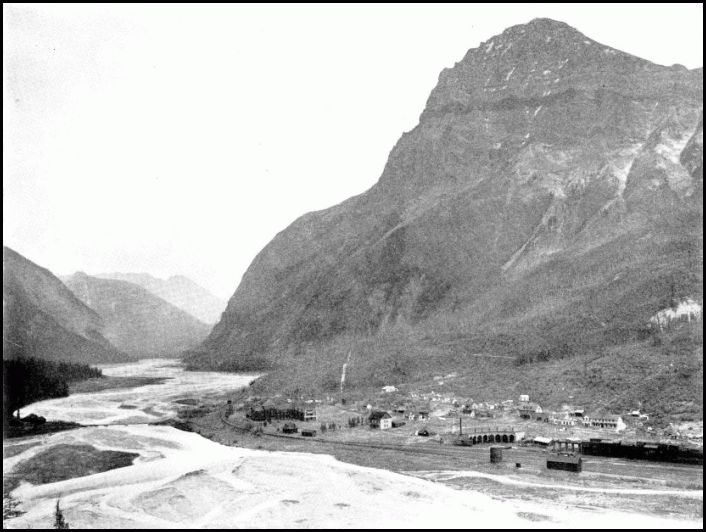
(42, 318)
(136, 321)
(550, 199)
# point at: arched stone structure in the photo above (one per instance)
(480, 435)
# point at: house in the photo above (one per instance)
(422, 415)
(577, 412)
(524, 398)
(309, 433)
(380, 420)
(608, 421)
(564, 419)
(527, 409)
(289, 428)
(424, 432)
(541, 416)
(310, 414)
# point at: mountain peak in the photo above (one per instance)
(543, 59)
(539, 33)
(544, 27)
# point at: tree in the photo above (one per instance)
(59, 521)
(9, 507)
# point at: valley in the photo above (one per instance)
(219, 475)
(504, 330)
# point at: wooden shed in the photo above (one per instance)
(289, 428)
(565, 462)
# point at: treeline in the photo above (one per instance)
(27, 380)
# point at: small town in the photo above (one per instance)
(393, 418)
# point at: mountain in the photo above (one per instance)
(136, 321)
(179, 291)
(42, 318)
(548, 203)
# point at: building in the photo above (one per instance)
(565, 462)
(422, 415)
(608, 421)
(524, 398)
(257, 413)
(310, 414)
(564, 420)
(380, 420)
(289, 428)
(527, 409)
(543, 441)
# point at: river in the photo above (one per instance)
(182, 480)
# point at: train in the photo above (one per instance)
(641, 450)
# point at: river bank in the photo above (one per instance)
(605, 485)
(112, 383)
(215, 477)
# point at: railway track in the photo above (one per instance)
(458, 452)
(450, 452)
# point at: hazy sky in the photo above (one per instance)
(181, 139)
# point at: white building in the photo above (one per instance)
(609, 421)
(380, 420)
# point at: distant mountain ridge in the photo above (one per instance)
(42, 318)
(136, 321)
(178, 290)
